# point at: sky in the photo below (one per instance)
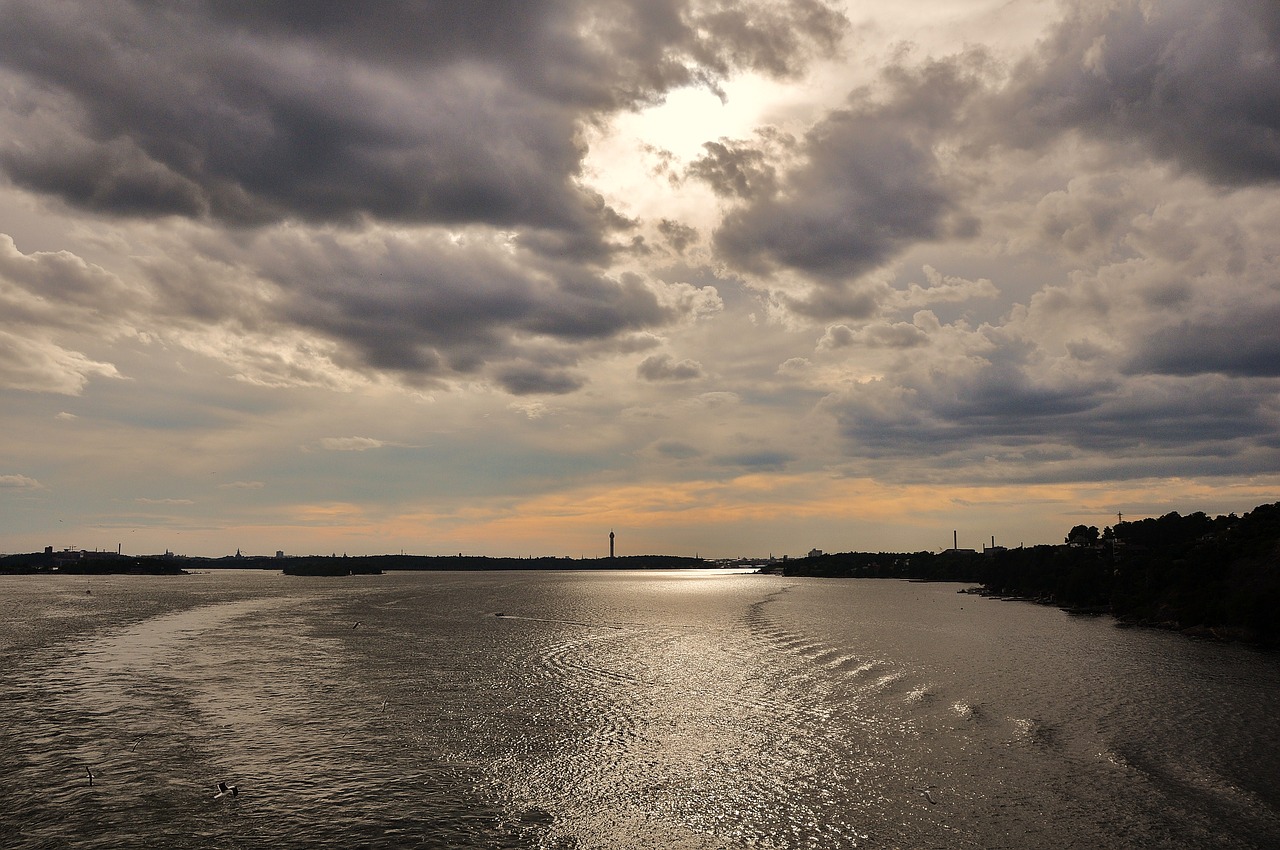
(726, 278)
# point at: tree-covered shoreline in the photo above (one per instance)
(1214, 577)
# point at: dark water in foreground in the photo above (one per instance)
(615, 710)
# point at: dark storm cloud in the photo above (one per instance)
(1004, 405)
(867, 184)
(1243, 344)
(417, 111)
(428, 308)
(1194, 82)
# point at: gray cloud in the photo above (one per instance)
(426, 112)
(1010, 404)
(764, 459)
(423, 307)
(679, 236)
(734, 170)
(1242, 343)
(676, 449)
(290, 120)
(51, 303)
(1193, 82)
(663, 367)
(868, 182)
(530, 379)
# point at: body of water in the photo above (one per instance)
(697, 709)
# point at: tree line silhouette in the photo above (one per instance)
(1216, 577)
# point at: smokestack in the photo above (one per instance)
(955, 540)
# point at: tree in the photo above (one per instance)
(1083, 535)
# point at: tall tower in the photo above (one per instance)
(611, 545)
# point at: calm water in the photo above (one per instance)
(615, 710)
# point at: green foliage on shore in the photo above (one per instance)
(1217, 577)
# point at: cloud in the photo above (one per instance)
(676, 449)
(145, 501)
(260, 112)
(764, 459)
(736, 171)
(299, 306)
(679, 236)
(351, 444)
(663, 367)
(19, 482)
(1192, 83)
(50, 303)
(897, 335)
(942, 289)
(868, 180)
(1241, 343)
(242, 485)
(45, 367)
(531, 379)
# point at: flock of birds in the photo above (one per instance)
(222, 789)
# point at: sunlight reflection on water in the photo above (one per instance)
(616, 710)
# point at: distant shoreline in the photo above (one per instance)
(95, 563)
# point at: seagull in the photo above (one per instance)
(89, 773)
(224, 789)
(928, 794)
(136, 742)
(356, 624)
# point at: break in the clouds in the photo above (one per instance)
(489, 275)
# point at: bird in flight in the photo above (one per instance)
(224, 789)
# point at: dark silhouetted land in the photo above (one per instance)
(1216, 577)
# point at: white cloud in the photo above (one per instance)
(19, 482)
(351, 444)
(44, 367)
(242, 485)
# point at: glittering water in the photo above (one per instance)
(615, 710)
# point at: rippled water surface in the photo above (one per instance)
(615, 710)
